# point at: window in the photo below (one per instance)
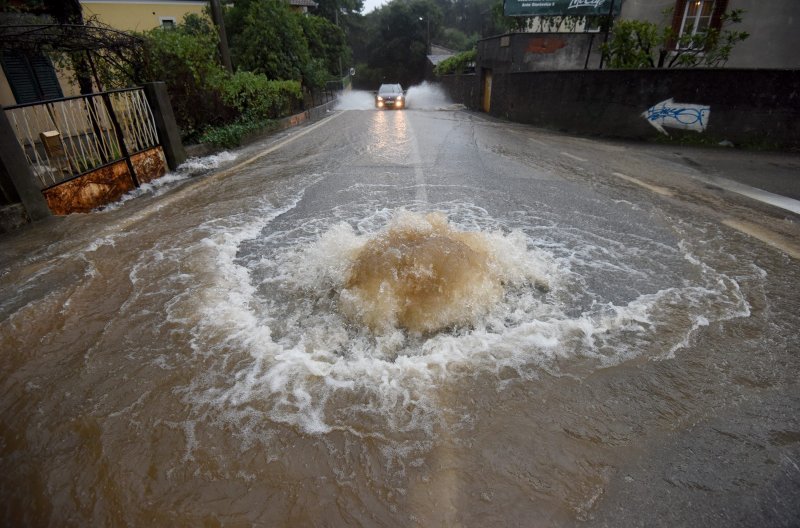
(696, 17)
(167, 22)
(693, 17)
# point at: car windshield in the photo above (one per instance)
(390, 88)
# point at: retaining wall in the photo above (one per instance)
(746, 107)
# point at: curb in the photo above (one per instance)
(312, 114)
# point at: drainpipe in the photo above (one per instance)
(608, 30)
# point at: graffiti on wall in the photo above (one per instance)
(678, 115)
(539, 45)
(573, 4)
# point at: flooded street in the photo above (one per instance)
(411, 318)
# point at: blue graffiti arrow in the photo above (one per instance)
(677, 115)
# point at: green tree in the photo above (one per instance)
(457, 40)
(638, 44)
(500, 23)
(635, 44)
(186, 59)
(268, 38)
(327, 44)
(335, 10)
(399, 46)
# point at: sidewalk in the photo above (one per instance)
(769, 177)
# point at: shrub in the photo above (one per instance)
(232, 134)
(457, 63)
(638, 44)
(255, 96)
(204, 96)
(186, 59)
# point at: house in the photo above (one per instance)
(31, 76)
(437, 54)
(141, 15)
(301, 6)
(774, 38)
(553, 44)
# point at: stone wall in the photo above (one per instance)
(519, 52)
(463, 89)
(746, 107)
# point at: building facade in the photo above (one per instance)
(774, 26)
(25, 78)
(141, 15)
(557, 44)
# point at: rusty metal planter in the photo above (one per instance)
(104, 185)
(87, 151)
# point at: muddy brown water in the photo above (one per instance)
(193, 358)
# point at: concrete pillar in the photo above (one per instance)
(168, 132)
(14, 164)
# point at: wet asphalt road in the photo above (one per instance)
(665, 393)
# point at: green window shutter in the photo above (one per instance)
(46, 77)
(32, 78)
(20, 77)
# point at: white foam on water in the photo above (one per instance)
(194, 165)
(191, 167)
(263, 307)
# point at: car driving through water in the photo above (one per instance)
(390, 96)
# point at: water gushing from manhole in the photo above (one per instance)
(423, 275)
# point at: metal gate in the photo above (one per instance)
(87, 150)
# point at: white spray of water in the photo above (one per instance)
(425, 96)
(356, 100)
(191, 167)
(283, 352)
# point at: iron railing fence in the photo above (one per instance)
(65, 138)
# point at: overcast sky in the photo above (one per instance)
(369, 5)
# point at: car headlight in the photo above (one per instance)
(399, 97)
(380, 98)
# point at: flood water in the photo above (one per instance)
(396, 319)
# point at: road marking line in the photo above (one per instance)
(760, 195)
(421, 190)
(663, 191)
(577, 158)
(223, 174)
(542, 143)
(770, 238)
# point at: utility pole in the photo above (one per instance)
(336, 15)
(216, 15)
(428, 34)
(427, 20)
(608, 30)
